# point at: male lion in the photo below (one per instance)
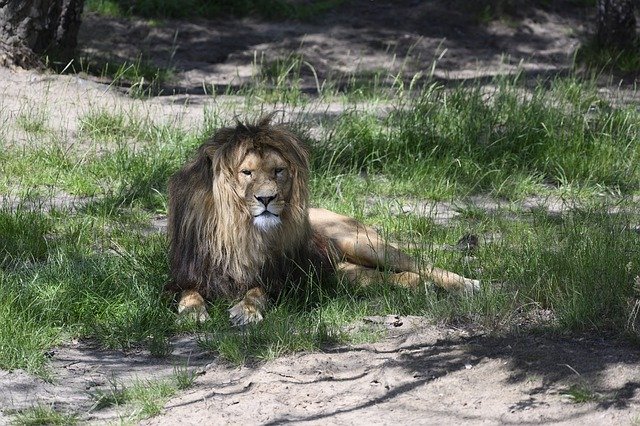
(240, 227)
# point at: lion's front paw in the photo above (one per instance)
(192, 307)
(244, 314)
(198, 314)
(247, 311)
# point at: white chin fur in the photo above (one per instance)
(265, 222)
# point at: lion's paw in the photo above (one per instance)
(471, 286)
(198, 315)
(247, 311)
(244, 313)
(192, 307)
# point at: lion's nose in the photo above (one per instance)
(266, 200)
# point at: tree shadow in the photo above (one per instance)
(557, 362)
(357, 40)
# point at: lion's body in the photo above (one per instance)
(240, 226)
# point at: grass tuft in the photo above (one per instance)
(24, 237)
(603, 59)
(580, 394)
(141, 78)
(104, 125)
(505, 141)
(142, 398)
(43, 415)
(33, 121)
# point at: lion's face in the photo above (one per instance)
(264, 182)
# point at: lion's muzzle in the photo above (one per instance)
(266, 212)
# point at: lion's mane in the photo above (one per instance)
(214, 247)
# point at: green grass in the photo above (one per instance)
(142, 398)
(43, 415)
(507, 142)
(77, 275)
(140, 78)
(582, 267)
(580, 394)
(279, 80)
(98, 272)
(32, 121)
(599, 59)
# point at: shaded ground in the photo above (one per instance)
(398, 38)
(425, 375)
(420, 374)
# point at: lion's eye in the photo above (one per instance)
(246, 172)
(279, 171)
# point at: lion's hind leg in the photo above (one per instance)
(364, 276)
(450, 281)
(363, 248)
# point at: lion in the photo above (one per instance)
(240, 227)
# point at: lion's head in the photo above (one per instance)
(264, 170)
(238, 210)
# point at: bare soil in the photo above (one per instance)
(423, 374)
(419, 373)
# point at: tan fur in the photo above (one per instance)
(240, 227)
(366, 255)
(192, 303)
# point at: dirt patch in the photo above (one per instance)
(418, 373)
(401, 39)
(425, 375)
(81, 371)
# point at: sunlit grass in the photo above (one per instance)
(504, 141)
(142, 398)
(43, 415)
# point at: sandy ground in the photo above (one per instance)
(423, 375)
(419, 373)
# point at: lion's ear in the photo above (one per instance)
(210, 151)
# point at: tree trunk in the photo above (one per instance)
(616, 24)
(32, 29)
